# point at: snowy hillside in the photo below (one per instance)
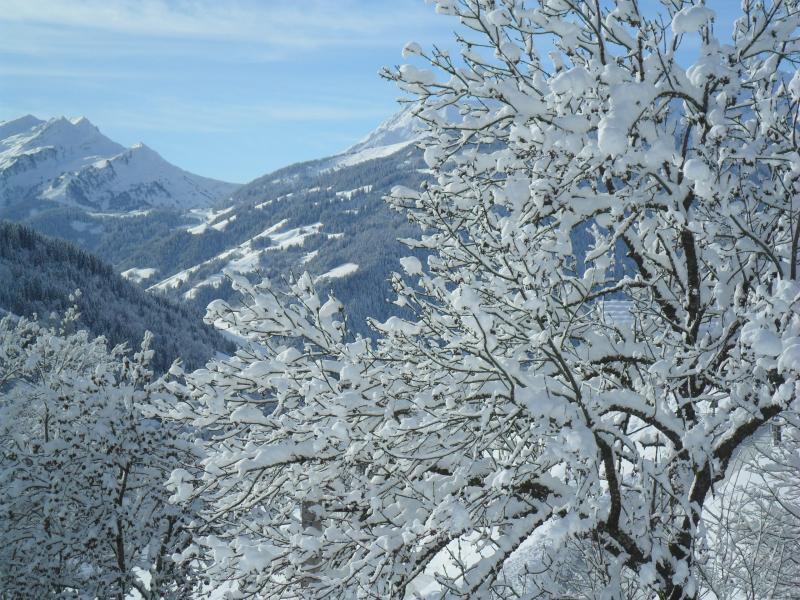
(70, 162)
(177, 233)
(334, 224)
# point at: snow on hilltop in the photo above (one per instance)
(402, 127)
(393, 135)
(69, 161)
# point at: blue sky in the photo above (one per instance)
(230, 89)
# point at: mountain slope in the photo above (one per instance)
(326, 216)
(400, 128)
(38, 274)
(334, 224)
(70, 162)
(135, 179)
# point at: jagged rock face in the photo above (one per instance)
(70, 162)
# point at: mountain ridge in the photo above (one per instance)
(39, 275)
(326, 216)
(401, 127)
(70, 162)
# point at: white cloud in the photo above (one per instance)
(38, 72)
(279, 24)
(178, 116)
(291, 77)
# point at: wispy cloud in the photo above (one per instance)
(280, 25)
(273, 80)
(38, 72)
(175, 115)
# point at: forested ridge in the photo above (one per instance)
(39, 275)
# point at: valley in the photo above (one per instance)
(178, 234)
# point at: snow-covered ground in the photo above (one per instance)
(338, 272)
(244, 258)
(138, 275)
(348, 160)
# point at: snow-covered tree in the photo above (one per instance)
(753, 523)
(608, 314)
(84, 510)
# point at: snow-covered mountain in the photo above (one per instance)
(334, 224)
(395, 133)
(400, 127)
(70, 162)
(326, 216)
(34, 152)
(399, 131)
(391, 138)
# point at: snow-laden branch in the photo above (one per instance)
(609, 312)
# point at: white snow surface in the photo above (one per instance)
(138, 275)
(243, 258)
(70, 161)
(348, 160)
(338, 272)
(209, 216)
(348, 194)
(293, 237)
(400, 128)
(690, 19)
